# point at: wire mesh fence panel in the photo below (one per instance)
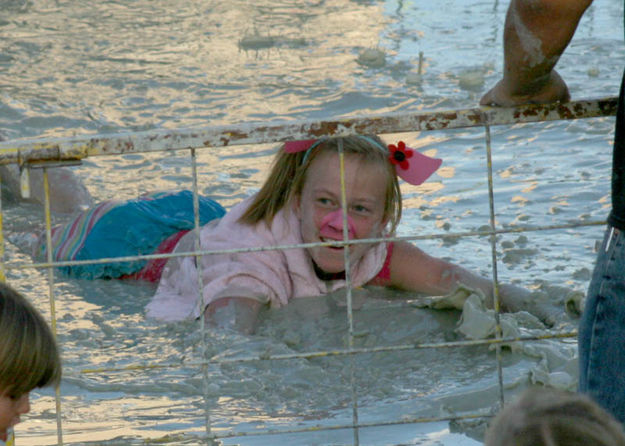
(349, 367)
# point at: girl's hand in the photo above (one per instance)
(512, 299)
(233, 313)
(452, 301)
(538, 303)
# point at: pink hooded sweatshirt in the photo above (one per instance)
(272, 276)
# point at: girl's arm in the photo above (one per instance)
(414, 270)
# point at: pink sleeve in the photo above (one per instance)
(262, 275)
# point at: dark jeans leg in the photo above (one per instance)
(602, 328)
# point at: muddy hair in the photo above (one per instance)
(288, 175)
(29, 355)
(549, 417)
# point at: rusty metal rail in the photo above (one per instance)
(26, 151)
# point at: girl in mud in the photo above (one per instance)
(302, 202)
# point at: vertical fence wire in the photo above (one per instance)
(57, 389)
(494, 258)
(348, 287)
(200, 286)
(2, 273)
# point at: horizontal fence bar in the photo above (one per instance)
(445, 236)
(32, 150)
(338, 352)
(360, 425)
(182, 438)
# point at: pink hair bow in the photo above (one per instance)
(410, 165)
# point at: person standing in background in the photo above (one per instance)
(536, 33)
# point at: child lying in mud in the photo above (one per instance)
(301, 202)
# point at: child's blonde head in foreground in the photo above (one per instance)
(548, 417)
(29, 356)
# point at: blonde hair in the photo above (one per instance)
(29, 356)
(549, 417)
(288, 175)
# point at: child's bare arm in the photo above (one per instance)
(414, 270)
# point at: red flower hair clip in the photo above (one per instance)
(399, 154)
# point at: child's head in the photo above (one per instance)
(28, 355)
(548, 417)
(290, 170)
(317, 205)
